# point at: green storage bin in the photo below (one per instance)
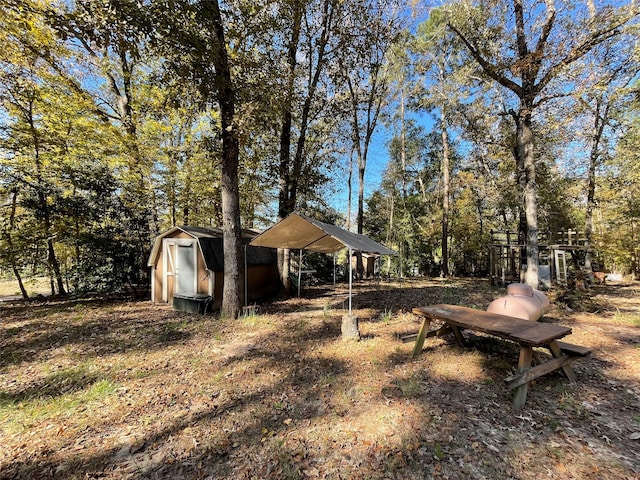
(192, 302)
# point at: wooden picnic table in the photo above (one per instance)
(526, 333)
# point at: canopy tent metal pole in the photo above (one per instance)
(350, 278)
(299, 272)
(334, 269)
(246, 280)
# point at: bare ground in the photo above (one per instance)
(128, 390)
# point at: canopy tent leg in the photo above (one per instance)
(299, 272)
(334, 269)
(246, 280)
(350, 277)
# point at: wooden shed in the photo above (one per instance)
(368, 264)
(189, 261)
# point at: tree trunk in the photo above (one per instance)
(444, 268)
(284, 182)
(284, 262)
(403, 149)
(23, 290)
(525, 164)
(598, 129)
(349, 190)
(634, 252)
(390, 232)
(233, 290)
(588, 221)
(232, 293)
(361, 170)
(12, 258)
(135, 196)
(45, 212)
(54, 265)
(290, 172)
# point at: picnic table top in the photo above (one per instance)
(524, 332)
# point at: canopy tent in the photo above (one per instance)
(299, 232)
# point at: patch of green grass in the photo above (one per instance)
(326, 379)
(255, 320)
(22, 414)
(142, 373)
(173, 331)
(56, 383)
(438, 451)
(410, 387)
(386, 316)
(249, 312)
(100, 390)
(553, 423)
(288, 461)
(627, 318)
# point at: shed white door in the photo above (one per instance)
(180, 262)
(186, 278)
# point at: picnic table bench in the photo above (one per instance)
(527, 333)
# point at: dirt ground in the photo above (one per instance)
(93, 389)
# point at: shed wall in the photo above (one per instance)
(262, 279)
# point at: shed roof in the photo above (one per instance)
(297, 231)
(210, 243)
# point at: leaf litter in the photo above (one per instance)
(279, 395)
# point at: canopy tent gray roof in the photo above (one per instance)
(299, 232)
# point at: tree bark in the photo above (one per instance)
(12, 259)
(600, 119)
(290, 170)
(403, 147)
(525, 165)
(233, 289)
(284, 200)
(135, 198)
(349, 190)
(45, 211)
(444, 267)
(284, 207)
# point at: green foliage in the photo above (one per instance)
(107, 138)
(447, 79)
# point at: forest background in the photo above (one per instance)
(120, 119)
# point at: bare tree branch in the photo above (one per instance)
(487, 67)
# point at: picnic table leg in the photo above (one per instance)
(458, 334)
(566, 369)
(422, 334)
(524, 364)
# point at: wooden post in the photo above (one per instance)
(458, 334)
(566, 369)
(524, 363)
(349, 328)
(417, 348)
